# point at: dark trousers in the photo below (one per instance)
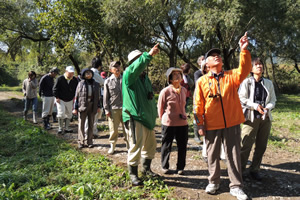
(181, 135)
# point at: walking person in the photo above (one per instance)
(96, 68)
(29, 88)
(258, 98)
(87, 103)
(171, 111)
(112, 104)
(64, 92)
(46, 93)
(139, 113)
(218, 114)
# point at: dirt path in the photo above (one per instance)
(280, 169)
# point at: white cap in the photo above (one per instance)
(132, 55)
(70, 69)
(172, 69)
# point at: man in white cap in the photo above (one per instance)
(64, 91)
(139, 113)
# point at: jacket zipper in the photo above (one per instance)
(222, 104)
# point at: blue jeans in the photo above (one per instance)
(33, 101)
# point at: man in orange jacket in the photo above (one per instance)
(218, 114)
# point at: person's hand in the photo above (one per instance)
(75, 112)
(260, 109)
(108, 114)
(202, 131)
(57, 100)
(154, 50)
(244, 42)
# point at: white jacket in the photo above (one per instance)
(246, 94)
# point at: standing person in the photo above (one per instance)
(112, 104)
(200, 72)
(87, 103)
(218, 114)
(64, 92)
(187, 82)
(96, 68)
(258, 98)
(29, 89)
(171, 111)
(46, 93)
(139, 113)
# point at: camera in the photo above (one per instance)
(150, 95)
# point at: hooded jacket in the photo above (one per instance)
(81, 95)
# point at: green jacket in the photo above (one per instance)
(135, 92)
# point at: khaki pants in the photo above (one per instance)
(145, 143)
(82, 117)
(257, 132)
(114, 121)
(64, 109)
(48, 104)
(231, 139)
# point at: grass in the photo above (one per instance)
(38, 165)
(285, 131)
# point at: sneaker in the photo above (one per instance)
(238, 193)
(69, 131)
(90, 146)
(111, 149)
(212, 188)
(80, 146)
(60, 132)
(180, 172)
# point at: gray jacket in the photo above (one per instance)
(29, 88)
(112, 95)
(246, 94)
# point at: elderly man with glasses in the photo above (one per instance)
(218, 114)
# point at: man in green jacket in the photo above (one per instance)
(139, 113)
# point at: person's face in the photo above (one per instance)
(32, 76)
(176, 77)
(200, 61)
(257, 68)
(116, 70)
(214, 61)
(53, 74)
(69, 74)
(88, 75)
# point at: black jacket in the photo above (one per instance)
(46, 86)
(64, 90)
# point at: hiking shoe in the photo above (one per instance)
(238, 193)
(60, 132)
(256, 176)
(212, 188)
(69, 131)
(90, 146)
(80, 146)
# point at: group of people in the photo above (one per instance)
(222, 101)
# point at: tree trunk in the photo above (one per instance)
(273, 74)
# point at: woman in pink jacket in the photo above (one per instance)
(171, 111)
